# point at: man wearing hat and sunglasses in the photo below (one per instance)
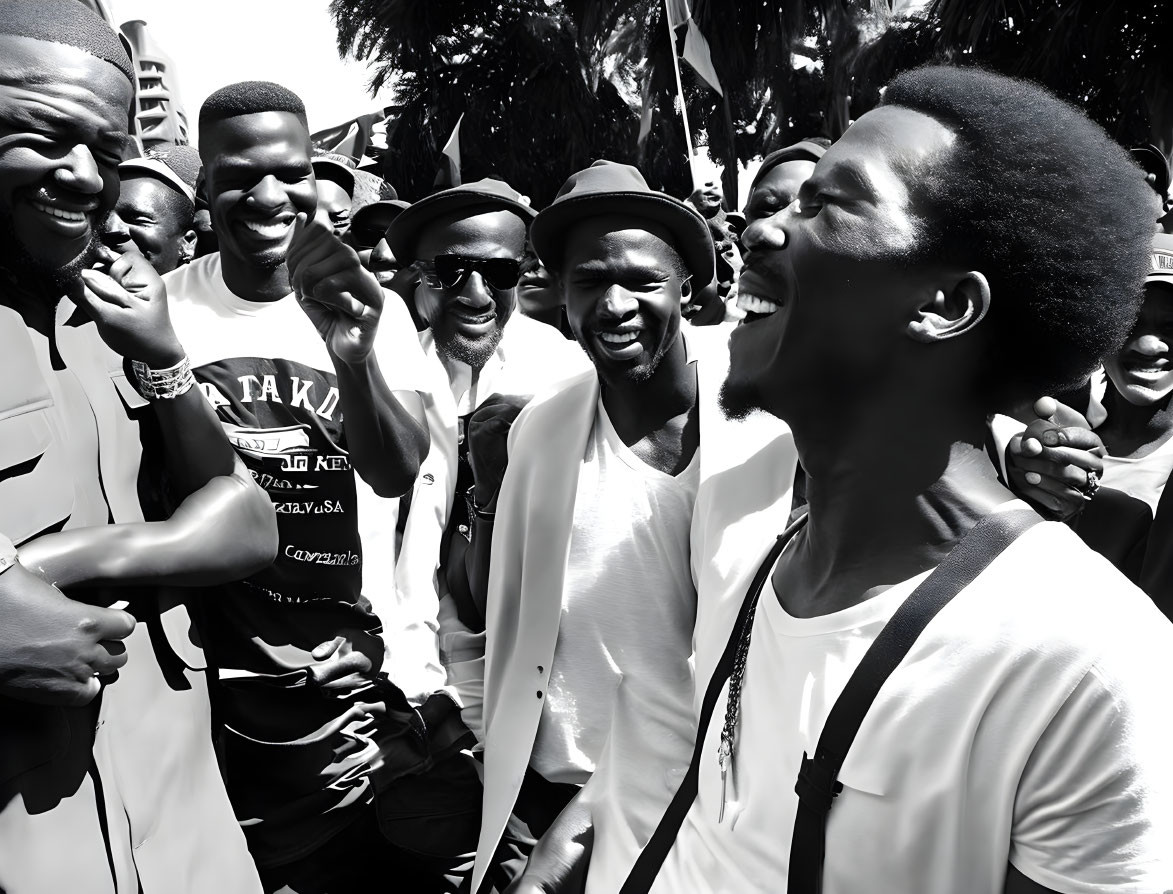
(591, 597)
(465, 245)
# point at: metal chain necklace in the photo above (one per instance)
(733, 702)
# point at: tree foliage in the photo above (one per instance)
(1108, 56)
(528, 78)
(548, 86)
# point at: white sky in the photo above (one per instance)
(292, 42)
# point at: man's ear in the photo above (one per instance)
(952, 311)
(187, 246)
(686, 291)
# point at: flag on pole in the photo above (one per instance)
(352, 138)
(451, 153)
(696, 54)
(678, 13)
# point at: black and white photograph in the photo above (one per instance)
(586, 447)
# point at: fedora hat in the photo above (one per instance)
(485, 195)
(607, 187)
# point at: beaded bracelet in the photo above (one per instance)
(163, 384)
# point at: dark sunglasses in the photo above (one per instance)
(452, 271)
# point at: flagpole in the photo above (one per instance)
(680, 93)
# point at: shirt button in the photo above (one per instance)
(539, 693)
(460, 438)
(463, 529)
(541, 669)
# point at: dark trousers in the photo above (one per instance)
(419, 836)
(538, 804)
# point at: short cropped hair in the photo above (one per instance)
(250, 98)
(66, 22)
(1048, 207)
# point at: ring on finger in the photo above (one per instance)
(1091, 485)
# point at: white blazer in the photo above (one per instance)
(531, 545)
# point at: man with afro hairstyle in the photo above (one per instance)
(108, 781)
(969, 244)
(316, 374)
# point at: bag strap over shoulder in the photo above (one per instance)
(818, 783)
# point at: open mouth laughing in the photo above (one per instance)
(70, 216)
(270, 229)
(619, 343)
(756, 297)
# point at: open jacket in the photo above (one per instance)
(531, 545)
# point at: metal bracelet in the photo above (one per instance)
(163, 384)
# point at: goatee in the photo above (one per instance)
(473, 351)
(738, 401)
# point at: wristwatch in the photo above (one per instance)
(8, 554)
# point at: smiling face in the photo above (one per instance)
(258, 174)
(63, 118)
(1143, 370)
(623, 290)
(469, 318)
(826, 283)
(156, 219)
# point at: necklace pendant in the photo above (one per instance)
(724, 758)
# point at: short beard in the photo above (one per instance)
(738, 401)
(473, 351)
(641, 375)
(35, 275)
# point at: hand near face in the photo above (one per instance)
(1049, 463)
(128, 303)
(52, 649)
(341, 297)
(488, 444)
(348, 662)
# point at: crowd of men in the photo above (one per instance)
(628, 545)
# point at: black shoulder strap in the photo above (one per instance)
(818, 778)
(818, 782)
(647, 866)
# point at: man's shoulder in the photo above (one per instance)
(187, 280)
(558, 404)
(1051, 600)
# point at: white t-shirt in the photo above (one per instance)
(233, 340)
(1029, 722)
(1143, 478)
(299, 775)
(628, 606)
